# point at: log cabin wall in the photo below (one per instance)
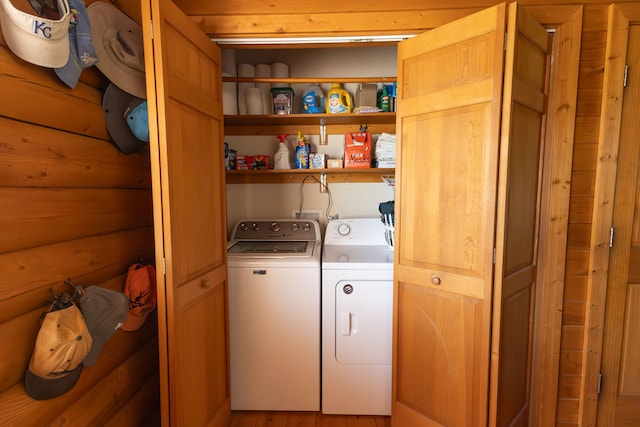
(71, 206)
(74, 206)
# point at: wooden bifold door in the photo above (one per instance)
(470, 120)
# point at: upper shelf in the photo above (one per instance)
(309, 119)
(300, 80)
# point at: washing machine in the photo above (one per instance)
(357, 306)
(274, 271)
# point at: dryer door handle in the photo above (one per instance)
(345, 323)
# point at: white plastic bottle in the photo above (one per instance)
(281, 157)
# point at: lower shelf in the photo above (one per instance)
(292, 176)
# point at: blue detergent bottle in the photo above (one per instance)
(301, 158)
(313, 99)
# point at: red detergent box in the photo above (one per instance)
(357, 150)
(259, 162)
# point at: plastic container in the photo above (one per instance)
(338, 100)
(281, 157)
(385, 100)
(282, 100)
(313, 99)
(301, 159)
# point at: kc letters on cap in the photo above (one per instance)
(38, 40)
(62, 344)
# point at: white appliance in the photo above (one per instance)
(357, 305)
(274, 315)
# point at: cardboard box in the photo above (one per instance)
(317, 161)
(244, 162)
(366, 95)
(334, 163)
(357, 150)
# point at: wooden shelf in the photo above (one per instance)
(293, 176)
(274, 124)
(300, 80)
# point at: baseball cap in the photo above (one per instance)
(140, 287)
(56, 362)
(127, 119)
(104, 310)
(118, 42)
(82, 53)
(38, 40)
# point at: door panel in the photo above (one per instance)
(468, 190)
(619, 403)
(448, 125)
(185, 119)
(523, 120)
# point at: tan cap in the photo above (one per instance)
(62, 344)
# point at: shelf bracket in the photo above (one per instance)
(323, 182)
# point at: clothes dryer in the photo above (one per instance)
(357, 305)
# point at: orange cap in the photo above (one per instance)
(140, 287)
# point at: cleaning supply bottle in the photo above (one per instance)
(385, 100)
(338, 100)
(313, 99)
(301, 159)
(281, 157)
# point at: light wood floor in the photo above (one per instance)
(304, 419)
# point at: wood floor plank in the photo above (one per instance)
(304, 419)
(301, 419)
(272, 419)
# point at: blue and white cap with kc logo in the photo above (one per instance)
(38, 40)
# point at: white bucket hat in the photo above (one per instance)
(118, 43)
(40, 41)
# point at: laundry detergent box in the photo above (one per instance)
(357, 150)
(244, 162)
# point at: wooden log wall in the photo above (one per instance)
(592, 59)
(71, 206)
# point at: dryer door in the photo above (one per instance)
(363, 321)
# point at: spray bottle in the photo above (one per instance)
(301, 159)
(281, 157)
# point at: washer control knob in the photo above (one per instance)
(275, 227)
(295, 226)
(344, 229)
(255, 226)
(307, 226)
(244, 227)
(347, 289)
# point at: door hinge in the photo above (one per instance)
(599, 382)
(626, 74)
(494, 255)
(611, 232)
(151, 29)
(164, 266)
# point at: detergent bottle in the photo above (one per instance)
(301, 159)
(338, 100)
(281, 157)
(313, 99)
